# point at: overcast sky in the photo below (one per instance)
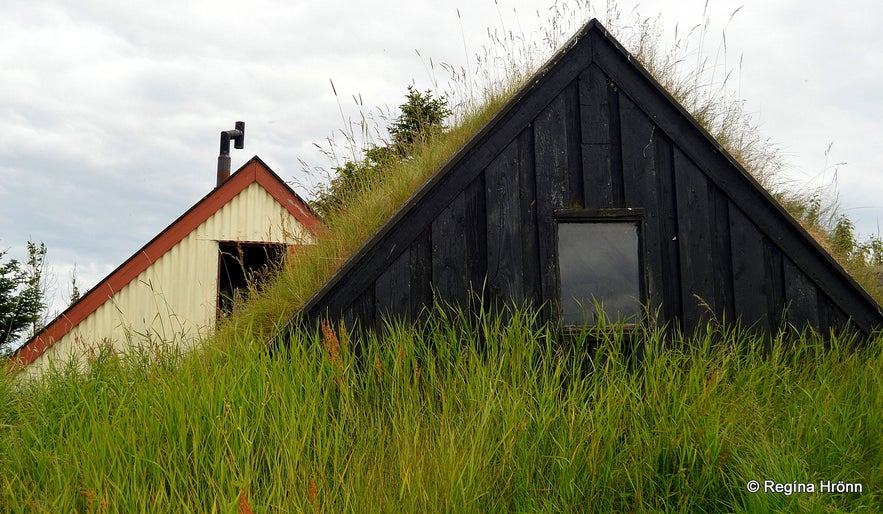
(111, 111)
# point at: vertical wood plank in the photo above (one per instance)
(640, 188)
(530, 254)
(597, 151)
(775, 279)
(504, 227)
(392, 290)
(617, 164)
(668, 232)
(838, 321)
(721, 253)
(348, 317)
(421, 274)
(449, 279)
(823, 312)
(550, 154)
(695, 242)
(800, 296)
(475, 235)
(572, 129)
(364, 309)
(359, 316)
(750, 285)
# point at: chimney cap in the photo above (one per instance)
(238, 137)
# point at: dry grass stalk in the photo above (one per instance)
(313, 493)
(332, 346)
(244, 507)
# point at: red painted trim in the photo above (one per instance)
(253, 171)
(293, 204)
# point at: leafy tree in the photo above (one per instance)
(422, 116)
(22, 301)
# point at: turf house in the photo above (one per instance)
(592, 187)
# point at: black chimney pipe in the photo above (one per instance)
(238, 137)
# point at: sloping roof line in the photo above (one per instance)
(471, 145)
(255, 170)
(672, 117)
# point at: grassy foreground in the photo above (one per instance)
(460, 415)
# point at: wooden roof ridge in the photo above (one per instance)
(253, 171)
(601, 49)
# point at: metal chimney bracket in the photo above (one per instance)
(238, 137)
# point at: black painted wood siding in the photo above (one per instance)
(593, 130)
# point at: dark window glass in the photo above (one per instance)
(242, 265)
(598, 264)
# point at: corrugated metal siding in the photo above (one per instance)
(174, 300)
(253, 216)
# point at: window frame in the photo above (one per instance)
(611, 215)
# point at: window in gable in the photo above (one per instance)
(599, 265)
(242, 265)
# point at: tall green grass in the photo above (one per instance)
(458, 414)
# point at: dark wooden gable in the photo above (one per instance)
(594, 130)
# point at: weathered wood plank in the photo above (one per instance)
(821, 307)
(617, 174)
(597, 150)
(668, 231)
(358, 317)
(750, 285)
(550, 154)
(392, 290)
(838, 321)
(530, 253)
(504, 227)
(641, 187)
(695, 243)
(573, 144)
(721, 254)
(475, 234)
(800, 296)
(594, 108)
(449, 273)
(774, 278)
(421, 273)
